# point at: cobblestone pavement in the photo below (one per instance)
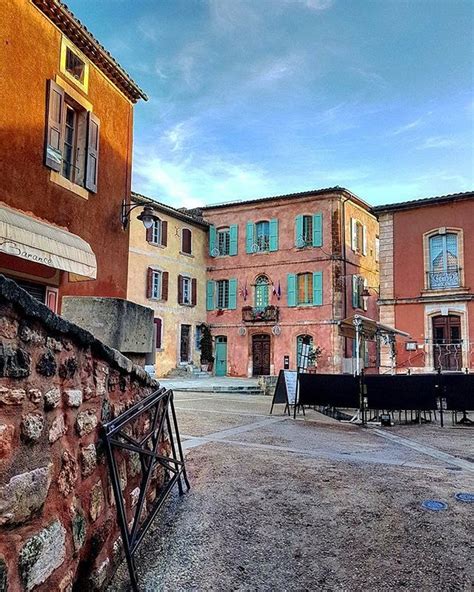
(310, 505)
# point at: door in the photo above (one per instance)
(221, 355)
(261, 355)
(447, 342)
(185, 343)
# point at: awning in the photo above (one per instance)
(369, 328)
(40, 242)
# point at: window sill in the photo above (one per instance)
(186, 254)
(186, 305)
(159, 245)
(433, 292)
(58, 179)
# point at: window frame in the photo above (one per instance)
(265, 237)
(224, 231)
(183, 251)
(157, 224)
(66, 45)
(156, 273)
(224, 304)
(427, 237)
(308, 288)
(186, 284)
(262, 281)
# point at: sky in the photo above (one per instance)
(252, 98)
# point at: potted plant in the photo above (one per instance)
(207, 359)
(314, 354)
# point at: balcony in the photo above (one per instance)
(269, 314)
(444, 280)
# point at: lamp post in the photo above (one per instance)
(147, 216)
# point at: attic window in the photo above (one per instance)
(75, 66)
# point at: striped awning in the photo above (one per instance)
(37, 241)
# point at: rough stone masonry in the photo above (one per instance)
(58, 526)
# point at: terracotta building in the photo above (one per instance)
(427, 279)
(65, 157)
(167, 273)
(283, 270)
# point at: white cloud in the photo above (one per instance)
(408, 127)
(315, 4)
(178, 136)
(437, 142)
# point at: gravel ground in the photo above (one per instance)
(271, 520)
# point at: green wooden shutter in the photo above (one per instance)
(249, 239)
(233, 239)
(355, 291)
(232, 294)
(318, 288)
(291, 289)
(317, 230)
(92, 154)
(274, 234)
(212, 240)
(299, 231)
(210, 287)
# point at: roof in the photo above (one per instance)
(426, 201)
(170, 211)
(289, 196)
(83, 39)
(369, 328)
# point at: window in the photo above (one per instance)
(300, 340)
(186, 290)
(358, 284)
(307, 230)
(158, 332)
(358, 237)
(262, 236)
(157, 284)
(75, 66)
(156, 232)
(72, 139)
(261, 292)
(198, 337)
(444, 271)
(305, 288)
(377, 248)
(186, 239)
(222, 294)
(223, 241)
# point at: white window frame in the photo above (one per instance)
(225, 294)
(226, 241)
(186, 290)
(156, 284)
(156, 232)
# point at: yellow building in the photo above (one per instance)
(167, 272)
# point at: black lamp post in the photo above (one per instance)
(147, 216)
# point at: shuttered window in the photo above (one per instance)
(158, 332)
(186, 240)
(157, 284)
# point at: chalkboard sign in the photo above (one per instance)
(285, 390)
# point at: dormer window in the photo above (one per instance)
(75, 66)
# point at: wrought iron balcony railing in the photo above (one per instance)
(443, 280)
(255, 314)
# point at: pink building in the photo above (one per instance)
(286, 269)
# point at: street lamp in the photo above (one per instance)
(366, 295)
(147, 216)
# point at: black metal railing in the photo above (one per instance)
(255, 314)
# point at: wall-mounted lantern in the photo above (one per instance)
(147, 216)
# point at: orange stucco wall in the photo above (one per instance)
(30, 54)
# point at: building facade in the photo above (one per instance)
(66, 153)
(167, 273)
(285, 270)
(426, 280)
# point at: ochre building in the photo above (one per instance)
(66, 120)
(167, 273)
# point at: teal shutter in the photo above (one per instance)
(317, 230)
(299, 231)
(291, 289)
(249, 239)
(232, 294)
(318, 288)
(274, 234)
(355, 291)
(233, 235)
(210, 287)
(212, 240)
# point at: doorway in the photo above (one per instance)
(185, 343)
(447, 342)
(261, 355)
(221, 355)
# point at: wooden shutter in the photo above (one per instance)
(164, 285)
(53, 150)
(149, 283)
(299, 242)
(186, 241)
(92, 155)
(180, 289)
(149, 234)
(249, 238)
(194, 291)
(158, 326)
(210, 286)
(212, 240)
(232, 294)
(317, 230)
(364, 240)
(318, 288)
(353, 234)
(164, 233)
(274, 234)
(291, 289)
(233, 239)
(355, 291)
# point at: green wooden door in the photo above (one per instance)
(221, 356)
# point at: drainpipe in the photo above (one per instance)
(344, 263)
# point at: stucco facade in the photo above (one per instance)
(426, 281)
(36, 37)
(178, 312)
(307, 267)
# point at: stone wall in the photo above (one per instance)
(58, 527)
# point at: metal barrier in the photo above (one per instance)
(141, 429)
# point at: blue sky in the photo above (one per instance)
(250, 98)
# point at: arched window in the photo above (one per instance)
(299, 346)
(261, 292)
(262, 235)
(444, 261)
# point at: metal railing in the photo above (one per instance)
(442, 280)
(267, 314)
